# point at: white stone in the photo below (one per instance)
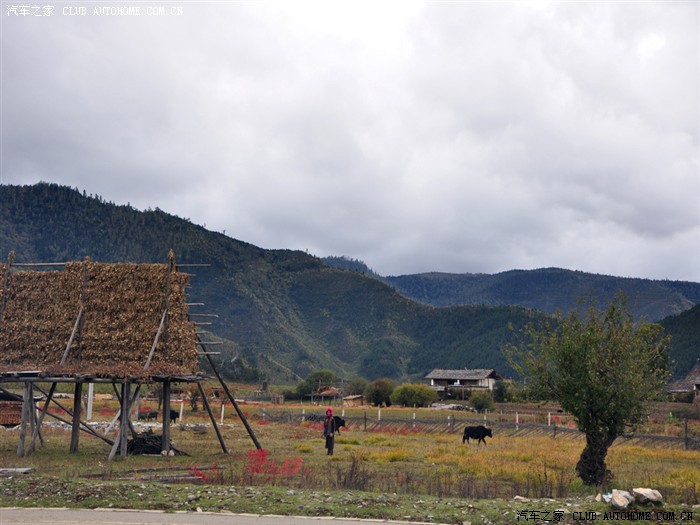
(644, 495)
(621, 499)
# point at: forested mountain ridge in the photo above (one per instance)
(284, 312)
(549, 290)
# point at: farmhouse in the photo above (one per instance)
(88, 322)
(689, 385)
(449, 383)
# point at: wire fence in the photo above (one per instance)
(455, 425)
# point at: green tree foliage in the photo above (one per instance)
(314, 380)
(356, 386)
(284, 313)
(413, 395)
(502, 393)
(603, 369)
(481, 401)
(379, 391)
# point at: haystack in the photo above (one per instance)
(122, 308)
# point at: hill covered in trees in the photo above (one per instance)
(282, 313)
(549, 290)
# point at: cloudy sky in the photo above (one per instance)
(445, 136)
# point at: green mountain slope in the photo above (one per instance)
(281, 311)
(684, 329)
(549, 290)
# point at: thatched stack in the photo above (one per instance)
(39, 315)
(123, 305)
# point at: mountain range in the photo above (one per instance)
(283, 314)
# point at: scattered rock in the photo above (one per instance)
(644, 495)
(621, 499)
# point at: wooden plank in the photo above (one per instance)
(75, 430)
(166, 417)
(27, 404)
(37, 430)
(72, 336)
(205, 402)
(155, 341)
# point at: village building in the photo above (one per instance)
(454, 383)
(689, 386)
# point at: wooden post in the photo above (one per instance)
(241, 415)
(166, 417)
(90, 400)
(205, 402)
(27, 404)
(75, 430)
(124, 426)
(37, 429)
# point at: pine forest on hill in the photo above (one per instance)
(284, 313)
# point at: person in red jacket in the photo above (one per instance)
(329, 430)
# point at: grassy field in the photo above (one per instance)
(398, 474)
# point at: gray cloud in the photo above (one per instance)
(464, 137)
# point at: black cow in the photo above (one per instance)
(339, 422)
(147, 415)
(174, 415)
(315, 418)
(478, 433)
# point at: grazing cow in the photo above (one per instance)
(144, 414)
(339, 422)
(174, 415)
(478, 433)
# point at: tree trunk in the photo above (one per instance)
(591, 465)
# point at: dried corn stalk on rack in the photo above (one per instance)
(110, 314)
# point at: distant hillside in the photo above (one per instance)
(282, 313)
(549, 290)
(684, 329)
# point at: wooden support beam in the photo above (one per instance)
(75, 430)
(235, 405)
(40, 421)
(72, 335)
(124, 426)
(166, 417)
(205, 402)
(27, 407)
(85, 426)
(161, 326)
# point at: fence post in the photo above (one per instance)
(303, 415)
(516, 421)
(549, 419)
(686, 440)
(223, 412)
(365, 420)
(414, 420)
(379, 414)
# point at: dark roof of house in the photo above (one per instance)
(464, 374)
(688, 383)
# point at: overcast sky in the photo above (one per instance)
(429, 136)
